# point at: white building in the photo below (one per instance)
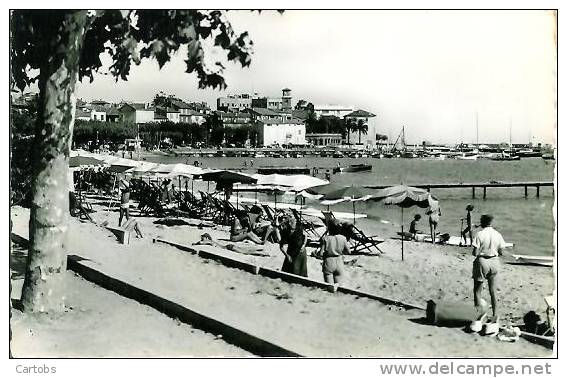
(98, 113)
(332, 110)
(195, 117)
(137, 113)
(281, 132)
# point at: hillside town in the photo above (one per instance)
(245, 121)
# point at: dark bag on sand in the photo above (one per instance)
(451, 314)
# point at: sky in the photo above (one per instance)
(432, 72)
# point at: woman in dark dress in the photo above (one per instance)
(292, 246)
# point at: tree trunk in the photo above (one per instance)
(359, 132)
(49, 216)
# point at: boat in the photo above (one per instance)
(268, 170)
(528, 153)
(548, 157)
(534, 260)
(504, 157)
(467, 156)
(353, 168)
(338, 154)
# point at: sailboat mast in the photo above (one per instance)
(510, 134)
(476, 113)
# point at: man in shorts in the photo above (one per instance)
(488, 245)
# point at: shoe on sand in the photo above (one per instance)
(476, 326)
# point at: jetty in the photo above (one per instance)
(284, 170)
(479, 185)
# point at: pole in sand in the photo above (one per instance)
(403, 237)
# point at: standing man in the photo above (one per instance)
(488, 245)
(124, 201)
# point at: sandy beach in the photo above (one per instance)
(313, 321)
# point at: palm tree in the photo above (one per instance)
(350, 125)
(362, 128)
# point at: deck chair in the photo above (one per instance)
(360, 243)
(309, 227)
(78, 209)
(550, 312)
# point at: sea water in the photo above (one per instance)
(527, 222)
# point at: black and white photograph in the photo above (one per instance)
(371, 183)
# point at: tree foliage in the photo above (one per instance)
(65, 46)
(326, 124)
(130, 36)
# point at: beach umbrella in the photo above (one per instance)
(405, 196)
(324, 189)
(122, 162)
(177, 170)
(85, 162)
(293, 182)
(144, 167)
(226, 179)
(345, 193)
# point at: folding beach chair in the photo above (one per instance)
(309, 227)
(360, 243)
(550, 312)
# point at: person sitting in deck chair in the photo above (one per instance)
(240, 229)
(263, 228)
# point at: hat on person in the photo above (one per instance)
(470, 207)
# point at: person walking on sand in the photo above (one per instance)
(434, 213)
(292, 246)
(488, 245)
(468, 229)
(333, 247)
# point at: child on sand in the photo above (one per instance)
(468, 229)
(412, 228)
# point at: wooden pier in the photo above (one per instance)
(480, 185)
